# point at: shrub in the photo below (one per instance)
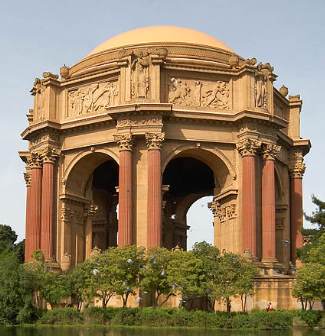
(127, 316)
(61, 316)
(310, 317)
(98, 315)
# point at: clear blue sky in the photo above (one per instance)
(39, 36)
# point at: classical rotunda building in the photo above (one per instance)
(122, 143)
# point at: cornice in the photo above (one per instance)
(303, 144)
(42, 126)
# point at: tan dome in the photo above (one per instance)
(160, 34)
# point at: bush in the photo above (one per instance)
(310, 317)
(98, 315)
(127, 316)
(61, 316)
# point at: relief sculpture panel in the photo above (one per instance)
(94, 98)
(196, 93)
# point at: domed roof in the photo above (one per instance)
(160, 34)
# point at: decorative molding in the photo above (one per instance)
(28, 178)
(124, 141)
(248, 147)
(154, 140)
(195, 93)
(223, 212)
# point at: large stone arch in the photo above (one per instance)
(223, 175)
(214, 158)
(78, 172)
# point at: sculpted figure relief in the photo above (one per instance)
(93, 98)
(140, 74)
(199, 93)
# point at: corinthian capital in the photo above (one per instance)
(49, 155)
(270, 151)
(248, 147)
(35, 160)
(124, 141)
(296, 164)
(28, 178)
(154, 140)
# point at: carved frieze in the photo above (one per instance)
(195, 93)
(223, 212)
(93, 98)
(142, 121)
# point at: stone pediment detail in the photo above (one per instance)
(93, 98)
(198, 93)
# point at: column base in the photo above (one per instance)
(271, 267)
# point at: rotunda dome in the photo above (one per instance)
(159, 35)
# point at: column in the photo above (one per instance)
(248, 149)
(268, 203)
(47, 205)
(91, 211)
(35, 204)
(28, 254)
(154, 219)
(125, 229)
(296, 170)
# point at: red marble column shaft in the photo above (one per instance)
(28, 252)
(249, 204)
(47, 209)
(125, 199)
(296, 213)
(268, 211)
(154, 198)
(35, 209)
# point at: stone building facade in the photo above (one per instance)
(122, 143)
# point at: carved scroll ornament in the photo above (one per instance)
(154, 140)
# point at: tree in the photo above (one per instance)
(11, 295)
(186, 274)
(317, 217)
(245, 283)
(210, 256)
(154, 277)
(125, 265)
(310, 284)
(7, 237)
(102, 280)
(80, 280)
(228, 278)
(55, 287)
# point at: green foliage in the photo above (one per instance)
(11, 295)
(310, 317)
(125, 265)
(160, 317)
(318, 216)
(61, 316)
(54, 288)
(186, 273)
(310, 284)
(154, 274)
(7, 237)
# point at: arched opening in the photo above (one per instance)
(105, 198)
(199, 218)
(91, 201)
(185, 180)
